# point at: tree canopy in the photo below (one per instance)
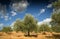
(18, 25)
(45, 28)
(6, 29)
(56, 4)
(30, 23)
(56, 17)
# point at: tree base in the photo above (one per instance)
(30, 35)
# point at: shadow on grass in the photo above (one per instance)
(31, 35)
(56, 36)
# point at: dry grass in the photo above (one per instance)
(20, 35)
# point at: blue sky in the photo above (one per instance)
(10, 11)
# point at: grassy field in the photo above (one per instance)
(20, 35)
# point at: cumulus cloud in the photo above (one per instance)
(6, 18)
(45, 21)
(13, 13)
(10, 18)
(42, 10)
(49, 5)
(12, 24)
(19, 6)
(1, 24)
(16, 5)
(2, 9)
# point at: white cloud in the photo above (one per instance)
(12, 24)
(3, 9)
(42, 10)
(45, 21)
(49, 5)
(1, 25)
(10, 18)
(13, 13)
(20, 6)
(6, 17)
(16, 5)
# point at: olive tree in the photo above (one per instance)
(6, 29)
(18, 25)
(56, 17)
(44, 28)
(30, 23)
